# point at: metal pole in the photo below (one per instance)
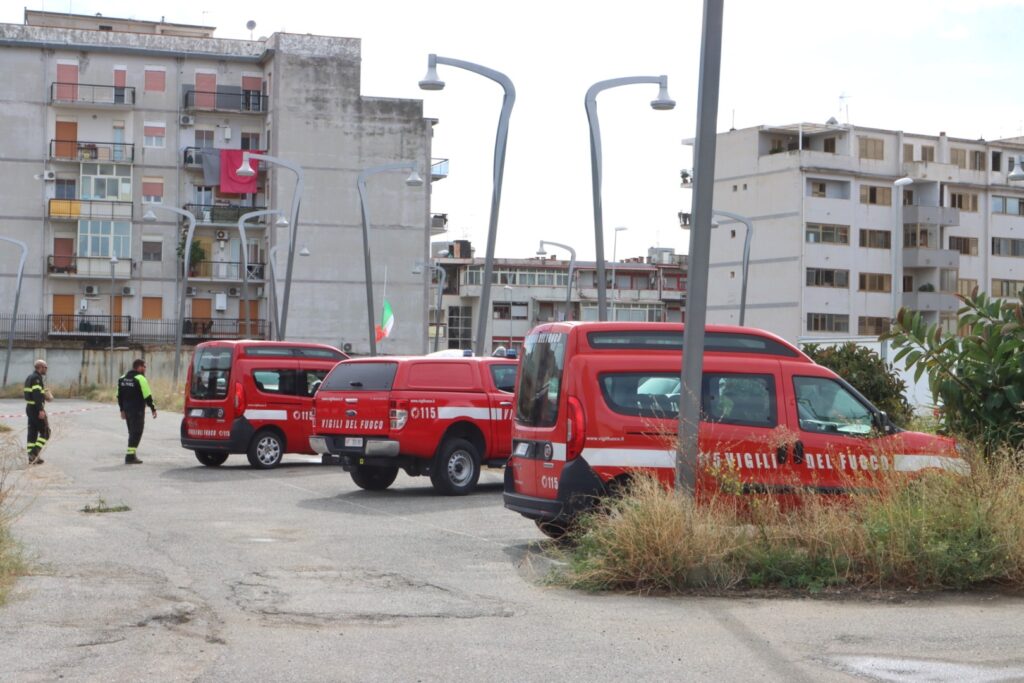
(700, 248)
(590, 103)
(440, 292)
(245, 263)
(500, 141)
(17, 298)
(113, 264)
(746, 256)
(271, 256)
(188, 215)
(572, 267)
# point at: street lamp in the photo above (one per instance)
(432, 82)
(441, 285)
(615, 257)
(245, 170)
(1018, 171)
(572, 266)
(746, 255)
(897, 248)
(188, 215)
(113, 264)
(414, 180)
(662, 103)
(17, 298)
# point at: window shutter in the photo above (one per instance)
(155, 80)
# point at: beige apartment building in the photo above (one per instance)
(104, 117)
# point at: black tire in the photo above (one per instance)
(374, 478)
(456, 468)
(211, 459)
(266, 450)
(551, 530)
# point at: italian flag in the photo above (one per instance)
(387, 321)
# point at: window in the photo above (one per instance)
(646, 395)
(64, 188)
(968, 246)
(871, 148)
(1007, 288)
(1011, 206)
(825, 405)
(818, 189)
(828, 322)
(908, 152)
(111, 182)
(309, 381)
(153, 189)
(1007, 246)
(977, 160)
(958, 157)
(154, 134)
(252, 87)
(204, 139)
(873, 194)
(250, 141)
(868, 325)
(917, 236)
(504, 377)
(740, 399)
(927, 153)
(876, 239)
(829, 145)
(97, 238)
(948, 280)
(874, 282)
(274, 381)
(540, 379)
(965, 201)
(827, 233)
(997, 161)
(155, 79)
(211, 369)
(965, 286)
(460, 327)
(825, 277)
(152, 250)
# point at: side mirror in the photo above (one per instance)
(883, 423)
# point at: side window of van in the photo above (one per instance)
(309, 381)
(652, 395)
(740, 399)
(824, 405)
(274, 381)
(504, 377)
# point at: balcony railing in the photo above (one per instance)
(438, 169)
(214, 213)
(97, 209)
(224, 328)
(225, 270)
(88, 266)
(248, 101)
(96, 328)
(76, 325)
(85, 93)
(80, 150)
(193, 157)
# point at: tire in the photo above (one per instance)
(374, 478)
(266, 450)
(211, 459)
(553, 531)
(456, 468)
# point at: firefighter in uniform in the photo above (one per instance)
(38, 425)
(133, 395)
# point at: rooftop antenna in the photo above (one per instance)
(844, 106)
(250, 25)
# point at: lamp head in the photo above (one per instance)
(414, 179)
(281, 222)
(245, 170)
(903, 181)
(431, 81)
(304, 251)
(443, 253)
(1017, 173)
(418, 268)
(541, 251)
(621, 228)
(149, 216)
(113, 259)
(663, 102)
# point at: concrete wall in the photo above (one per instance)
(83, 367)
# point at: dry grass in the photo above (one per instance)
(166, 398)
(934, 531)
(12, 560)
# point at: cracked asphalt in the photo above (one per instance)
(294, 574)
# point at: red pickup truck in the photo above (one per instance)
(443, 417)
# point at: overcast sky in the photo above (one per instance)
(921, 66)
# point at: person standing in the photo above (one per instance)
(38, 425)
(133, 395)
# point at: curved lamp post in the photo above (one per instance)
(113, 265)
(281, 222)
(188, 215)
(441, 285)
(432, 82)
(662, 103)
(17, 298)
(746, 255)
(414, 180)
(245, 170)
(897, 248)
(572, 266)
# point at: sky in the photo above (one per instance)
(921, 66)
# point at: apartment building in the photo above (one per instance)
(106, 119)
(825, 260)
(527, 292)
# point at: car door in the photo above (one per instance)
(276, 402)
(500, 381)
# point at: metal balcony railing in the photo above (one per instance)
(81, 150)
(88, 266)
(98, 209)
(224, 328)
(247, 101)
(78, 325)
(215, 213)
(126, 329)
(226, 270)
(86, 93)
(193, 158)
(438, 169)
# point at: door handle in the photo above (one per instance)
(780, 453)
(505, 404)
(798, 452)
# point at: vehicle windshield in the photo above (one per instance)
(211, 370)
(824, 405)
(540, 379)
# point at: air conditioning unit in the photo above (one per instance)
(187, 120)
(234, 291)
(191, 291)
(259, 292)
(91, 290)
(49, 175)
(222, 235)
(127, 291)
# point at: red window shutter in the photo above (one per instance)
(252, 83)
(67, 77)
(153, 189)
(120, 77)
(155, 81)
(157, 131)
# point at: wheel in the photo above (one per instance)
(374, 478)
(266, 450)
(456, 468)
(211, 459)
(551, 530)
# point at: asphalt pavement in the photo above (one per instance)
(295, 574)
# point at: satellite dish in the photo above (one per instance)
(250, 24)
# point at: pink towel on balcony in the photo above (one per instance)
(230, 181)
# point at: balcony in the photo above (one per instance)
(193, 158)
(201, 329)
(80, 150)
(230, 271)
(247, 102)
(931, 170)
(118, 326)
(931, 215)
(89, 209)
(438, 223)
(438, 169)
(931, 301)
(92, 95)
(88, 266)
(214, 214)
(95, 329)
(920, 257)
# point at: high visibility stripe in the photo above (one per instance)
(452, 412)
(629, 457)
(131, 451)
(143, 386)
(913, 462)
(266, 414)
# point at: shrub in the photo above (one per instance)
(872, 376)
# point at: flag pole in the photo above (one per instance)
(384, 303)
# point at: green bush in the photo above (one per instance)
(977, 378)
(869, 374)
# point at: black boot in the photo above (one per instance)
(132, 460)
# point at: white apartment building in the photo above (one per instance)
(531, 291)
(823, 199)
(105, 116)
